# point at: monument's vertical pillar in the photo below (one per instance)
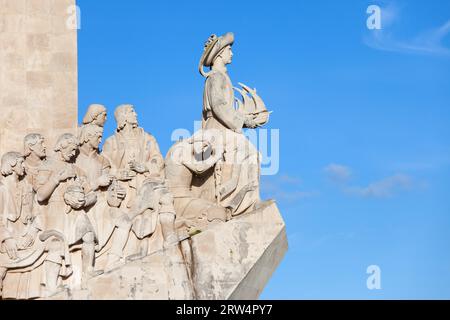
(38, 70)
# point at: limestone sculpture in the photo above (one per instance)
(83, 219)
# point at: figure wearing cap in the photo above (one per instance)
(240, 170)
(218, 97)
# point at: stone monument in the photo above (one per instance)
(38, 70)
(124, 222)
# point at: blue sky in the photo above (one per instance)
(363, 117)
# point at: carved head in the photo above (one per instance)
(217, 48)
(67, 146)
(96, 114)
(34, 143)
(226, 55)
(91, 134)
(12, 162)
(124, 115)
(116, 194)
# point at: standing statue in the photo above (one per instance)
(135, 157)
(109, 224)
(22, 251)
(63, 187)
(240, 169)
(134, 154)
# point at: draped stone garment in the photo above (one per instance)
(24, 275)
(140, 147)
(241, 157)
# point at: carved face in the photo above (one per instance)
(39, 148)
(131, 116)
(101, 119)
(69, 152)
(95, 140)
(227, 55)
(19, 169)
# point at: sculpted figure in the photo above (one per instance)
(21, 251)
(240, 169)
(96, 114)
(63, 187)
(34, 153)
(153, 206)
(134, 154)
(104, 216)
(194, 158)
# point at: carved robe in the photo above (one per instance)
(96, 165)
(140, 147)
(58, 215)
(191, 210)
(241, 165)
(23, 280)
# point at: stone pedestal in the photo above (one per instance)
(38, 70)
(232, 260)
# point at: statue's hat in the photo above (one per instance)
(213, 46)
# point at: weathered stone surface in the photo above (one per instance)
(232, 260)
(235, 260)
(78, 223)
(38, 71)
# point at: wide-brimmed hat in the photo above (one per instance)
(213, 46)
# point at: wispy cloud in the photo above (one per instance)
(425, 42)
(284, 187)
(384, 188)
(338, 173)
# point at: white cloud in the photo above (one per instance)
(386, 187)
(338, 173)
(284, 187)
(427, 42)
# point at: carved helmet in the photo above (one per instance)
(213, 47)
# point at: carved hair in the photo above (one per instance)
(29, 141)
(93, 112)
(65, 140)
(9, 161)
(121, 115)
(88, 131)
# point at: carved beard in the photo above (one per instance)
(133, 124)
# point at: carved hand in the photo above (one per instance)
(28, 239)
(76, 203)
(250, 122)
(124, 175)
(11, 248)
(104, 180)
(138, 167)
(65, 174)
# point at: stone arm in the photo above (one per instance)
(48, 185)
(155, 160)
(105, 177)
(91, 199)
(4, 232)
(216, 86)
(108, 151)
(90, 195)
